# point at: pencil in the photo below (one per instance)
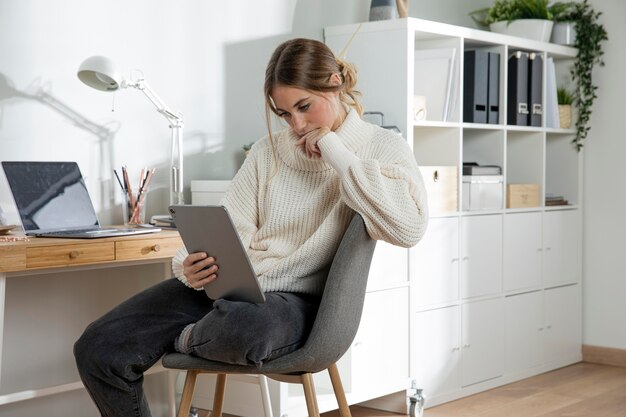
(118, 180)
(129, 189)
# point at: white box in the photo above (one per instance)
(482, 192)
(207, 193)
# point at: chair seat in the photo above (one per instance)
(289, 364)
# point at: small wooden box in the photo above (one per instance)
(441, 184)
(522, 195)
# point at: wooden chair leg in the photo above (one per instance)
(185, 400)
(340, 394)
(309, 394)
(218, 397)
(265, 396)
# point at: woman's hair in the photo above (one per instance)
(308, 64)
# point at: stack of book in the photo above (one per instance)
(162, 221)
(472, 168)
(555, 200)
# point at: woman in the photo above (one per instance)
(291, 201)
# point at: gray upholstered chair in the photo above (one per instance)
(333, 331)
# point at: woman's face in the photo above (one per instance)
(305, 111)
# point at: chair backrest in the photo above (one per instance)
(339, 314)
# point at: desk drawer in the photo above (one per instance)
(66, 255)
(147, 248)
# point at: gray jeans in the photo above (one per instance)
(115, 350)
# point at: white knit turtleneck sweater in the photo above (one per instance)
(292, 225)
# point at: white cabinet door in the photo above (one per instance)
(435, 263)
(436, 351)
(481, 255)
(483, 341)
(522, 251)
(563, 323)
(377, 363)
(560, 248)
(389, 266)
(524, 331)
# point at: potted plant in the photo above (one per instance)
(526, 18)
(247, 147)
(564, 99)
(590, 35)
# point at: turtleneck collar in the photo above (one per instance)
(353, 132)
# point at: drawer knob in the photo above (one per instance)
(156, 248)
(74, 254)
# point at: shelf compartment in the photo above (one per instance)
(562, 168)
(436, 80)
(525, 160)
(437, 146)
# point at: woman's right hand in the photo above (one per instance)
(199, 269)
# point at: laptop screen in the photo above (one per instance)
(50, 195)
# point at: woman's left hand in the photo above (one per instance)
(308, 142)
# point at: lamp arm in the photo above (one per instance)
(176, 124)
(176, 119)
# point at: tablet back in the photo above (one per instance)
(210, 229)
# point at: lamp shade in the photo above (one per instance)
(100, 72)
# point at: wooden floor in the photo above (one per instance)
(580, 390)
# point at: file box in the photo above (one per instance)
(482, 192)
(522, 195)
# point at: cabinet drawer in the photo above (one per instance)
(146, 248)
(65, 255)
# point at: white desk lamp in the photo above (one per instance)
(100, 72)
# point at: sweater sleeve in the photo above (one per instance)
(385, 187)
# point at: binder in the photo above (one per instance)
(535, 102)
(493, 92)
(475, 80)
(517, 102)
(551, 108)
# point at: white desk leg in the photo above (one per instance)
(3, 287)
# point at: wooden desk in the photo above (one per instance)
(50, 253)
(53, 255)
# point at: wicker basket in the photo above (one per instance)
(565, 116)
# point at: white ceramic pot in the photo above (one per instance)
(564, 33)
(535, 29)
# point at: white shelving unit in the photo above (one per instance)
(495, 295)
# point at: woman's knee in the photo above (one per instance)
(86, 349)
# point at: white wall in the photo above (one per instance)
(605, 198)
(204, 58)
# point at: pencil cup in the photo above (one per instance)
(134, 212)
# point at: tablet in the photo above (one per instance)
(210, 229)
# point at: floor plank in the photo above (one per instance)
(580, 390)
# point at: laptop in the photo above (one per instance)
(52, 201)
(210, 229)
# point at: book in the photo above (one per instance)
(164, 220)
(472, 168)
